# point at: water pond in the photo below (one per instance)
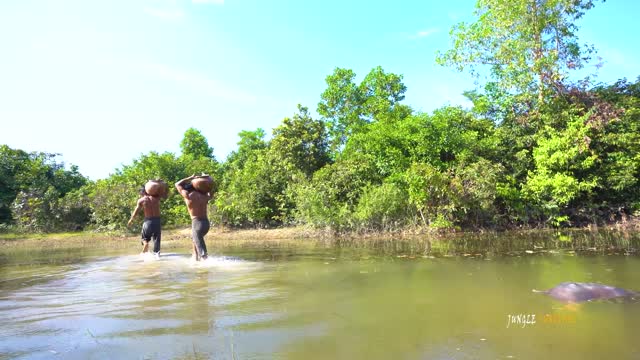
(466, 297)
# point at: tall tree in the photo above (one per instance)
(348, 107)
(301, 141)
(528, 45)
(195, 145)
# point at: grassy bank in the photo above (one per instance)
(181, 237)
(171, 238)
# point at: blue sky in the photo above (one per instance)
(102, 82)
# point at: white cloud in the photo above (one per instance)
(214, 2)
(424, 33)
(165, 14)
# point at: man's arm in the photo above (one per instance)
(135, 212)
(180, 186)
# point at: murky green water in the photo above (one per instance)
(353, 300)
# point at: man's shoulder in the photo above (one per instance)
(196, 195)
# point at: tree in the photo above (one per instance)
(448, 136)
(250, 141)
(528, 45)
(12, 163)
(330, 198)
(245, 196)
(259, 175)
(301, 142)
(34, 184)
(195, 145)
(348, 107)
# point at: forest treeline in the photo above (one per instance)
(535, 149)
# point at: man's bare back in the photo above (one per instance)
(195, 200)
(197, 204)
(197, 207)
(151, 227)
(150, 205)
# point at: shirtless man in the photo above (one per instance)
(197, 206)
(151, 225)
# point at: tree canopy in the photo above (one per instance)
(527, 46)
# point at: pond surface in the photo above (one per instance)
(446, 299)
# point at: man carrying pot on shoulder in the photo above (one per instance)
(149, 203)
(196, 191)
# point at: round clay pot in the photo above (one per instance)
(156, 188)
(203, 184)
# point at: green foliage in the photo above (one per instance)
(434, 194)
(74, 209)
(33, 184)
(479, 183)
(248, 194)
(12, 164)
(250, 141)
(330, 198)
(580, 157)
(384, 207)
(449, 136)
(301, 142)
(528, 46)
(238, 200)
(618, 146)
(348, 107)
(112, 203)
(194, 145)
(259, 177)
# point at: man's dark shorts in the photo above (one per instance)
(200, 228)
(151, 231)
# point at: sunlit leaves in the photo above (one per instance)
(526, 46)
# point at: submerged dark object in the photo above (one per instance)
(580, 292)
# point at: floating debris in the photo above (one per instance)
(529, 251)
